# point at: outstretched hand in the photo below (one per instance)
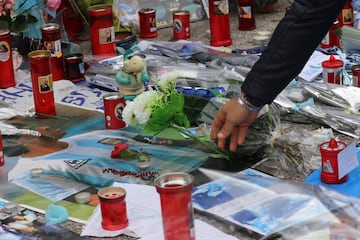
(232, 119)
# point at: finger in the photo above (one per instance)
(221, 142)
(217, 124)
(241, 135)
(226, 130)
(234, 139)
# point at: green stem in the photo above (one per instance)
(196, 138)
(50, 116)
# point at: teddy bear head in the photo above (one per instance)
(135, 63)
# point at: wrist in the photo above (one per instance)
(243, 100)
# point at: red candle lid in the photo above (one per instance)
(332, 145)
(332, 63)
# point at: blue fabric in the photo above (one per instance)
(32, 7)
(350, 187)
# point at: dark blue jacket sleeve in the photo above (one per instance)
(294, 40)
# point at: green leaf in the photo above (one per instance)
(161, 115)
(153, 127)
(177, 102)
(4, 24)
(128, 154)
(181, 119)
(160, 119)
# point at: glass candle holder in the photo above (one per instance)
(147, 22)
(246, 15)
(102, 31)
(6, 62)
(42, 82)
(176, 205)
(51, 41)
(113, 208)
(74, 67)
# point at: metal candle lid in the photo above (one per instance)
(180, 12)
(39, 54)
(50, 27)
(99, 10)
(112, 193)
(146, 10)
(174, 181)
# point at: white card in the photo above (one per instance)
(347, 160)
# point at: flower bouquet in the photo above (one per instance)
(154, 111)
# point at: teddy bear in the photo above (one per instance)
(132, 77)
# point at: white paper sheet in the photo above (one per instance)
(144, 214)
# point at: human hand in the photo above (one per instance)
(232, 119)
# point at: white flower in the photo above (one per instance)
(143, 117)
(167, 80)
(140, 109)
(128, 114)
(146, 99)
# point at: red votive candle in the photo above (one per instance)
(114, 104)
(176, 205)
(219, 23)
(329, 161)
(102, 31)
(2, 161)
(74, 67)
(246, 15)
(6, 64)
(42, 82)
(113, 208)
(51, 41)
(181, 24)
(147, 23)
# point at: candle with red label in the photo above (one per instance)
(42, 82)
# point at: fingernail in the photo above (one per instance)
(220, 135)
